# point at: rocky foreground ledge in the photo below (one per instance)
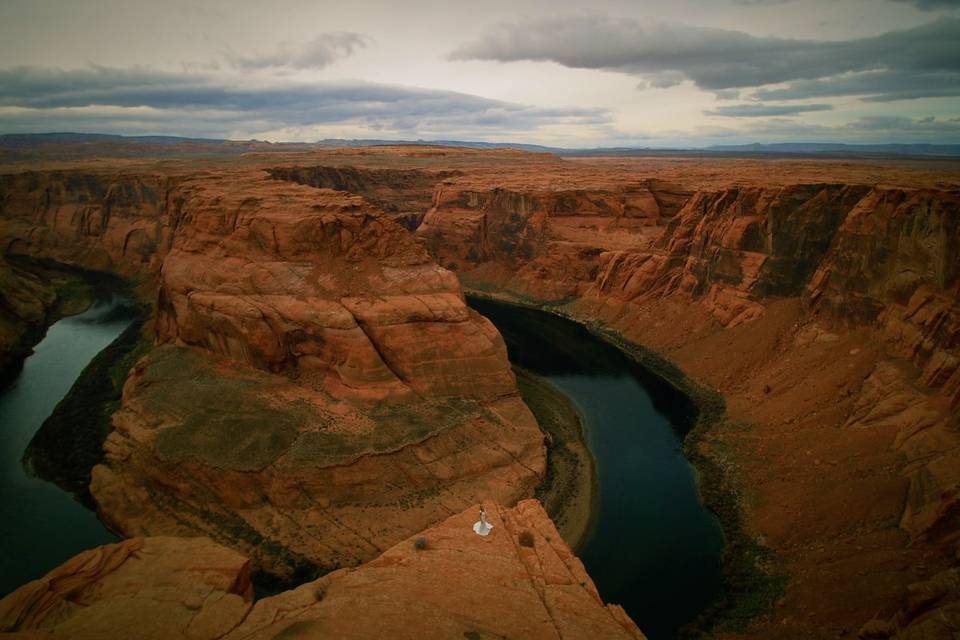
(521, 581)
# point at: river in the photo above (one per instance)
(41, 525)
(653, 548)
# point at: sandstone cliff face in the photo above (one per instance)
(288, 278)
(548, 239)
(405, 194)
(519, 582)
(343, 396)
(33, 296)
(107, 221)
(25, 304)
(102, 220)
(825, 308)
(732, 248)
(895, 264)
(320, 376)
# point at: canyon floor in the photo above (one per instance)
(315, 373)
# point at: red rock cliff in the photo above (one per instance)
(828, 308)
(519, 582)
(319, 389)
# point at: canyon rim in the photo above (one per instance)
(517, 321)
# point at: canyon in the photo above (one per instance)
(316, 392)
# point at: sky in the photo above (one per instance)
(685, 73)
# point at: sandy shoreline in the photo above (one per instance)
(569, 492)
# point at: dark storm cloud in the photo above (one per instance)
(236, 104)
(931, 5)
(923, 5)
(758, 110)
(874, 86)
(316, 54)
(719, 59)
(863, 129)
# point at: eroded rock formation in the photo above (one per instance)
(405, 194)
(816, 306)
(519, 582)
(318, 375)
(33, 296)
(103, 220)
(323, 350)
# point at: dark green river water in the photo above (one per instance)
(654, 548)
(41, 525)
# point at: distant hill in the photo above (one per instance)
(339, 142)
(15, 140)
(840, 148)
(19, 146)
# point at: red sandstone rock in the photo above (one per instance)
(378, 386)
(391, 376)
(140, 588)
(841, 431)
(105, 220)
(293, 476)
(458, 585)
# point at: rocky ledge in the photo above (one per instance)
(520, 581)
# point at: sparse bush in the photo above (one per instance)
(420, 544)
(526, 539)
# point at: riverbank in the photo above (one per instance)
(48, 525)
(33, 296)
(69, 443)
(751, 581)
(569, 490)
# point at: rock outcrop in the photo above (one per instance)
(404, 194)
(139, 588)
(547, 239)
(321, 389)
(33, 296)
(113, 221)
(321, 284)
(521, 581)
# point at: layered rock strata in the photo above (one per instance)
(115, 221)
(521, 581)
(819, 297)
(319, 389)
(346, 399)
(815, 309)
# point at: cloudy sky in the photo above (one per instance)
(620, 72)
